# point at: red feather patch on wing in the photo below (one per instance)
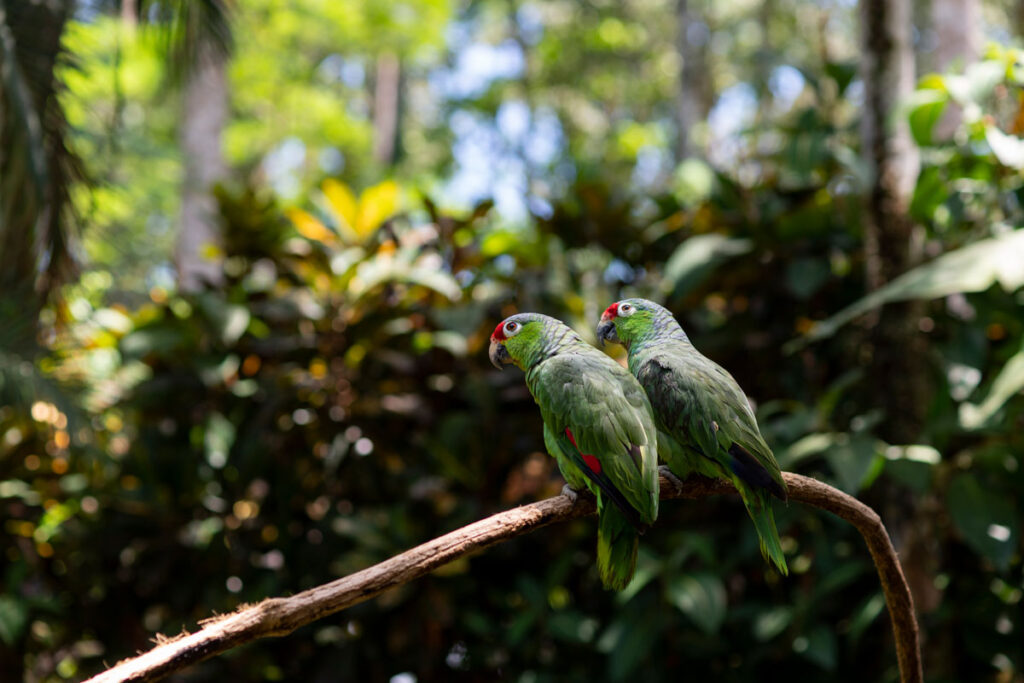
(610, 312)
(592, 462)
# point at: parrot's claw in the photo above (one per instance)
(673, 479)
(570, 493)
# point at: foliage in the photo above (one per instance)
(164, 457)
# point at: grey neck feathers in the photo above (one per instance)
(665, 328)
(559, 340)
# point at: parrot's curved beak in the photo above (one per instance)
(606, 332)
(498, 354)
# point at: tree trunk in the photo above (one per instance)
(889, 234)
(202, 122)
(897, 369)
(386, 102)
(130, 12)
(957, 26)
(691, 102)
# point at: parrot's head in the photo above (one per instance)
(518, 339)
(628, 320)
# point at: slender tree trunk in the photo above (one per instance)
(130, 12)
(897, 368)
(957, 26)
(692, 100)
(386, 103)
(202, 122)
(887, 69)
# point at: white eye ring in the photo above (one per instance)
(512, 328)
(626, 310)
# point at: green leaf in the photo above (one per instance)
(701, 597)
(1007, 383)
(697, 257)
(13, 616)
(772, 622)
(986, 520)
(805, 447)
(852, 459)
(694, 182)
(229, 320)
(973, 268)
(866, 615)
(925, 108)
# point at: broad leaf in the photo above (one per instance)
(987, 521)
(697, 257)
(973, 268)
(1007, 383)
(701, 597)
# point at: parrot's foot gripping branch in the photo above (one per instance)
(570, 493)
(676, 482)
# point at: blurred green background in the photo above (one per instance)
(369, 187)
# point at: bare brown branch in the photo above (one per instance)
(281, 616)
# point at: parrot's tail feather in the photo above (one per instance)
(615, 496)
(746, 467)
(760, 509)
(617, 546)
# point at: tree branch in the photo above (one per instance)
(281, 616)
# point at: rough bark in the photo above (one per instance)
(204, 112)
(281, 616)
(897, 351)
(386, 102)
(691, 101)
(898, 348)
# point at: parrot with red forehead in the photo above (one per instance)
(598, 426)
(705, 424)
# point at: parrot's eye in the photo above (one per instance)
(512, 328)
(626, 310)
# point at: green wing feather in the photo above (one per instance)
(713, 432)
(610, 417)
(618, 542)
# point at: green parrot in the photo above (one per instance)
(705, 424)
(598, 425)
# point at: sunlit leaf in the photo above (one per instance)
(1009, 149)
(376, 205)
(694, 181)
(973, 268)
(1007, 383)
(977, 82)
(697, 257)
(925, 109)
(229, 320)
(372, 274)
(343, 205)
(310, 227)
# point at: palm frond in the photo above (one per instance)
(37, 166)
(191, 31)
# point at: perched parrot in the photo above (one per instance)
(597, 424)
(705, 424)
